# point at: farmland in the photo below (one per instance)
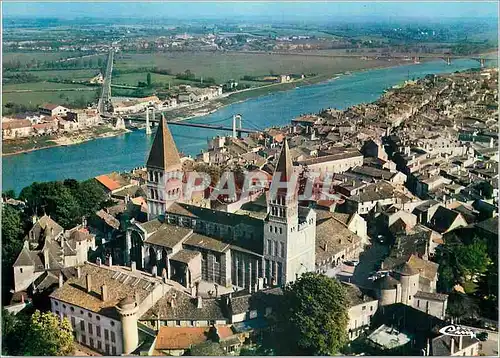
(225, 66)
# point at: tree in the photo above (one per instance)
(13, 328)
(54, 199)
(148, 79)
(314, 316)
(461, 306)
(9, 194)
(12, 234)
(47, 334)
(460, 261)
(208, 348)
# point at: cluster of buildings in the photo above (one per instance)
(165, 275)
(186, 95)
(50, 119)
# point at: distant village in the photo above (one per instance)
(152, 276)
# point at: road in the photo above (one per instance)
(105, 98)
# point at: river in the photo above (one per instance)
(130, 150)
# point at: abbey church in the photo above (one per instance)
(270, 242)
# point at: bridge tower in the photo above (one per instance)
(120, 123)
(482, 62)
(148, 126)
(448, 60)
(236, 125)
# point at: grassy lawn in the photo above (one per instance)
(225, 66)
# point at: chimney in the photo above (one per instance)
(216, 286)
(78, 272)
(133, 266)
(104, 292)
(61, 279)
(89, 283)
(199, 302)
(110, 260)
(154, 271)
(98, 261)
(452, 348)
(84, 222)
(46, 258)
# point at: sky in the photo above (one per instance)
(235, 10)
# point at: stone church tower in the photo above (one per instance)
(164, 180)
(289, 231)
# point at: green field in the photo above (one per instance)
(77, 75)
(26, 57)
(38, 98)
(43, 86)
(225, 66)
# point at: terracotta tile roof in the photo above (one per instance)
(109, 183)
(205, 242)
(177, 305)
(20, 123)
(427, 269)
(163, 154)
(121, 283)
(185, 256)
(180, 337)
(168, 235)
(49, 106)
(332, 237)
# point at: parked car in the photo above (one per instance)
(482, 336)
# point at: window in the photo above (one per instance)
(73, 322)
(99, 345)
(98, 318)
(113, 339)
(270, 230)
(409, 298)
(81, 311)
(281, 230)
(72, 309)
(275, 248)
(64, 306)
(82, 326)
(371, 308)
(98, 330)
(113, 350)
(90, 315)
(107, 348)
(91, 330)
(84, 339)
(268, 246)
(282, 250)
(363, 308)
(193, 323)
(21, 270)
(112, 324)
(178, 323)
(216, 259)
(91, 340)
(106, 334)
(57, 313)
(56, 303)
(418, 303)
